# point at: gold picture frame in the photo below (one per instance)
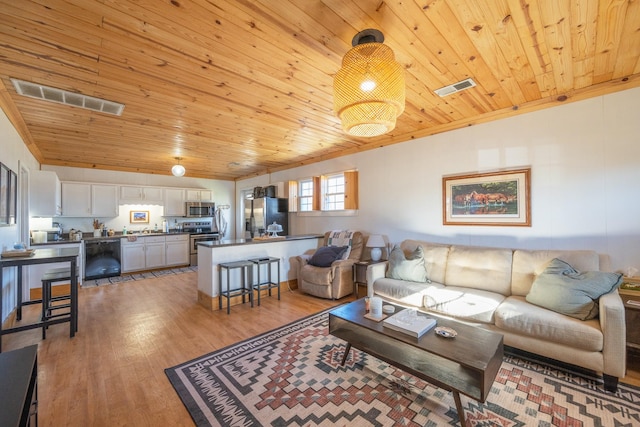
(499, 198)
(139, 217)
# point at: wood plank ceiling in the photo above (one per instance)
(239, 88)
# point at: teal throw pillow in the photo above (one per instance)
(409, 268)
(564, 290)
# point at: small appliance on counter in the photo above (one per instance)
(38, 236)
(75, 235)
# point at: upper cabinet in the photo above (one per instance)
(45, 194)
(87, 200)
(194, 195)
(174, 199)
(145, 195)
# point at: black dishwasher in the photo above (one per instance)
(102, 258)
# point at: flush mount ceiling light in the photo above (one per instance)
(178, 170)
(46, 93)
(368, 91)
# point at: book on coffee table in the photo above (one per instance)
(416, 326)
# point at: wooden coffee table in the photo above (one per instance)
(466, 364)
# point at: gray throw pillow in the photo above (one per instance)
(409, 268)
(564, 290)
(326, 255)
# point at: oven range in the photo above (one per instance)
(199, 231)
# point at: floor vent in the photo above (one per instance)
(456, 87)
(33, 90)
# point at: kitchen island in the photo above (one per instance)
(210, 254)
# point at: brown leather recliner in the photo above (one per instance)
(335, 281)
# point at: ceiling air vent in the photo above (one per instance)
(456, 87)
(33, 90)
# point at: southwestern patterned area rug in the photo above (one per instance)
(292, 376)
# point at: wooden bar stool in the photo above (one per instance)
(268, 283)
(243, 290)
(49, 309)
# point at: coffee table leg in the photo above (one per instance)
(346, 354)
(456, 397)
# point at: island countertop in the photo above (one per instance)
(238, 242)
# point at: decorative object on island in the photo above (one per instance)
(376, 242)
(274, 229)
(141, 217)
(369, 89)
(490, 198)
(178, 169)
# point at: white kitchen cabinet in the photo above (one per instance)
(174, 202)
(177, 250)
(198, 195)
(104, 200)
(145, 253)
(132, 256)
(45, 198)
(154, 251)
(87, 200)
(137, 194)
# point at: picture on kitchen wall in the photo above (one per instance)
(4, 194)
(13, 198)
(490, 198)
(139, 217)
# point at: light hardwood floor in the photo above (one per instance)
(112, 372)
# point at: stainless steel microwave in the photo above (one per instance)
(200, 209)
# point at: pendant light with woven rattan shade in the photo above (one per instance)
(368, 91)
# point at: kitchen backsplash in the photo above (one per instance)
(117, 223)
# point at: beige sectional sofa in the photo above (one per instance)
(488, 287)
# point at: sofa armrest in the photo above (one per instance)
(301, 261)
(612, 323)
(374, 272)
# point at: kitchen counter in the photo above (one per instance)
(238, 242)
(210, 254)
(89, 236)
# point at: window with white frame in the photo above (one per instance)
(305, 195)
(333, 193)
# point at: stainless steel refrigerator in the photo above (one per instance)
(260, 212)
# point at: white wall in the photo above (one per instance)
(15, 155)
(585, 180)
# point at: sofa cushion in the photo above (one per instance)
(409, 267)
(435, 257)
(405, 292)
(326, 255)
(516, 315)
(529, 264)
(486, 269)
(563, 289)
(462, 303)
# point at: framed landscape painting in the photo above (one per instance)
(140, 217)
(490, 198)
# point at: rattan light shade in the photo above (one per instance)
(366, 111)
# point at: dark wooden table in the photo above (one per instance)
(42, 256)
(19, 387)
(360, 275)
(466, 364)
